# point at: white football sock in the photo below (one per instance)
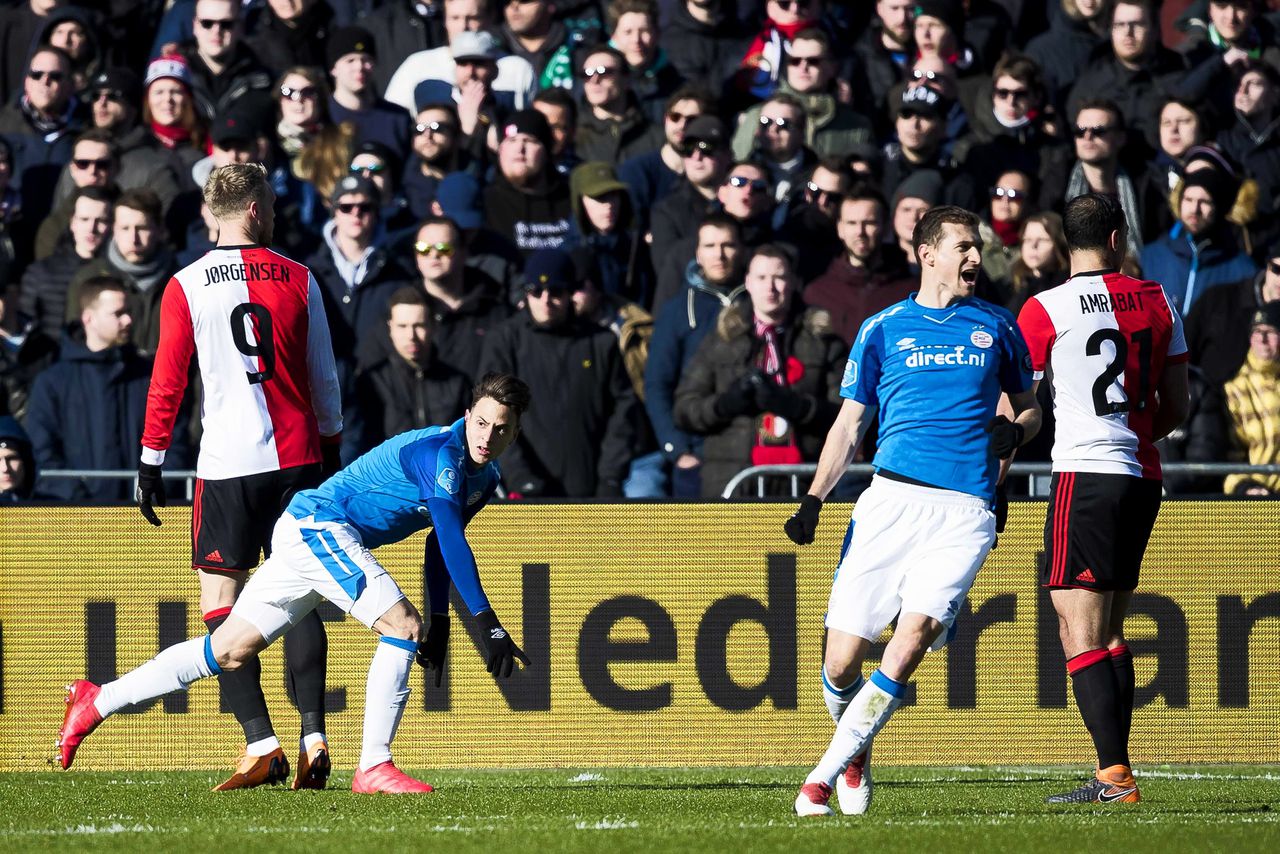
(263, 746)
(386, 693)
(172, 670)
(838, 699)
(311, 739)
(869, 711)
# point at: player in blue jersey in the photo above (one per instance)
(934, 366)
(438, 477)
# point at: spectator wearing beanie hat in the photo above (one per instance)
(528, 201)
(169, 112)
(1201, 251)
(350, 58)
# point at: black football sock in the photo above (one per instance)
(1122, 664)
(241, 690)
(305, 653)
(1097, 694)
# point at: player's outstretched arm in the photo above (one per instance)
(843, 438)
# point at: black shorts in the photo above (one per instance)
(1097, 530)
(232, 519)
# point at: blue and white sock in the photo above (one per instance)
(838, 699)
(866, 714)
(173, 669)
(386, 693)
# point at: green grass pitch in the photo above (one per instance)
(967, 810)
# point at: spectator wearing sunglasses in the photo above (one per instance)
(1009, 132)
(921, 132)
(357, 276)
(41, 125)
(406, 386)
(287, 33)
(932, 72)
(583, 447)
(706, 158)
(20, 25)
(95, 162)
(705, 40)
(652, 176)
(377, 163)
(633, 31)
(762, 66)
(777, 143)
(436, 153)
(812, 214)
(222, 66)
(317, 148)
(611, 126)
(466, 303)
(1010, 200)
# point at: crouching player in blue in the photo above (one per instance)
(438, 477)
(934, 366)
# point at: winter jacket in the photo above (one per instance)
(43, 293)
(1253, 407)
(617, 262)
(851, 294)
(282, 46)
(537, 219)
(23, 355)
(1187, 267)
(576, 439)
(677, 216)
(1257, 150)
(144, 305)
(12, 436)
(399, 30)
(831, 128)
(212, 93)
(882, 68)
(86, 412)
(680, 325)
(811, 350)
(39, 159)
(460, 334)
(1138, 93)
(649, 180)
(708, 53)
(142, 165)
(615, 141)
(395, 395)
(652, 87)
(1219, 325)
(1063, 54)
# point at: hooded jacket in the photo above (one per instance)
(731, 352)
(618, 261)
(13, 436)
(576, 440)
(532, 220)
(86, 412)
(831, 128)
(213, 94)
(1187, 267)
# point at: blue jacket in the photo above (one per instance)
(682, 322)
(86, 412)
(1187, 268)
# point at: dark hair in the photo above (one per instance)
(62, 55)
(1023, 69)
(929, 229)
(865, 191)
(1144, 4)
(438, 220)
(1105, 104)
(722, 221)
(98, 285)
(410, 295)
(102, 137)
(603, 47)
(615, 10)
(814, 34)
(779, 251)
(144, 200)
(1088, 221)
(506, 389)
(107, 194)
(688, 92)
(557, 97)
(1019, 272)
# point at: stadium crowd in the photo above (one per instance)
(669, 217)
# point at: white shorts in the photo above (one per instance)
(312, 561)
(914, 549)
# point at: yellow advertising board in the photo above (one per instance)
(661, 635)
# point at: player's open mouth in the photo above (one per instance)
(970, 276)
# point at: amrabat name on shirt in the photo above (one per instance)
(1090, 303)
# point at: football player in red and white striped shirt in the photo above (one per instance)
(1113, 349)
(272, 423)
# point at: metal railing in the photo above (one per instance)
(121, 474)
(1038, 473)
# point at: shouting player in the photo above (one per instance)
(934, 365)
(438, 477)
(254, 320)
(1114, 349)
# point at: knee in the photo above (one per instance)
(842, 671)
(407, 627)
(231, 660)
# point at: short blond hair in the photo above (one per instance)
(229, 189)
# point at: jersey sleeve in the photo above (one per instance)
(1178, 351)
(169, 373)
(1017, 370)
(861, 378)
(326, 397)
(437, 572)
(1039, 334)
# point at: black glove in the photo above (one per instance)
(780, 400)
(150, 492)
(501, 652)
(740, 397)
(803, 524)
(431, 652)
(330, 458)
(1002, 507)
(1005, 435)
